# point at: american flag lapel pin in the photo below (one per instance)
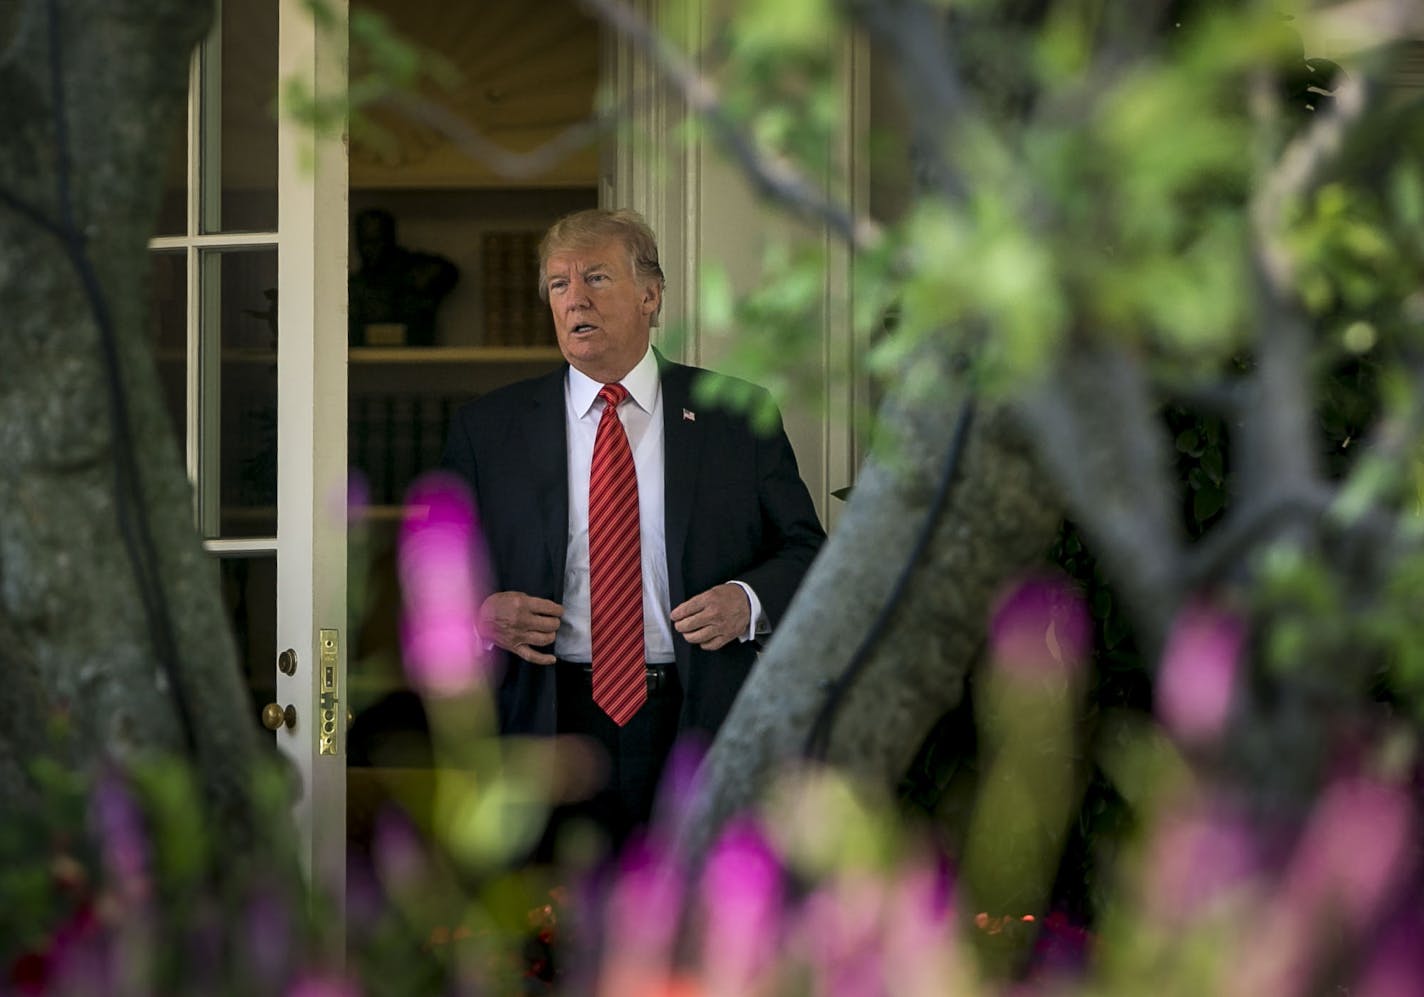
(688, 415)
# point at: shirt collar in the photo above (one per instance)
(641, 382)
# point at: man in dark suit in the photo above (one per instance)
(723, 533)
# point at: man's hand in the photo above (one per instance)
(519, 623)
(715, 618)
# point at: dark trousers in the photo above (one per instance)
(635, 752)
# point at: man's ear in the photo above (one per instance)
(652, 297)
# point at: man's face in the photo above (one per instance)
(602, 310)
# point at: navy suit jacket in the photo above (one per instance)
(736, 508)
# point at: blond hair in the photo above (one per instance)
(583, 229)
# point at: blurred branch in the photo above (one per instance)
(1279, 451)
(1356, 26)
(1130, 30)
(775, 176)
(914, 36)
(1094, 423)
(1248, 526)
(479, 147)
(21, 25)
(1299, 172)
(1219, 397)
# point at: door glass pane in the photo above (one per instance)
(250, 593)
(168, 312)
(173, 209)
(240, 123)
(240, 422)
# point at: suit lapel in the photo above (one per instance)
(682, 446)
(548, 455)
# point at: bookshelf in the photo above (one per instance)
(452, 355)
(401, 400)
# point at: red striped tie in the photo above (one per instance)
(615, 568)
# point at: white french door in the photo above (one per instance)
(311, 465)
(249, 315)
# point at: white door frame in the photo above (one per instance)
(311, 427)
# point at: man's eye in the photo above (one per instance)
(597, 278)
(556, 285)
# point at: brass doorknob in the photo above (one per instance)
(275, 717)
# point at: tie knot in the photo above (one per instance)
(613, 394)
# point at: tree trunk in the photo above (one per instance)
(998, 520)
(95, 92)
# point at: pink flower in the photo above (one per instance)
(1356, 851)
(681, 778)
(741, 909)
(1197, 681)
(1041, 628)
(841, 925)
(641, 921)
(1357, 847)
(323, 985)
(1197, 859)
(438, 551)
(120, 827)
(1396, 966)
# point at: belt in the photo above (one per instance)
(657, 675)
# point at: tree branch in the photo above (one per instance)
(775, 176)
(1278, 439)
(1096, 429)
(479, 147)
(914, 36)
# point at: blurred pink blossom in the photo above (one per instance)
(119, 825)
(641, 921)
(1197, 681)
(439, 544)
(357, 497)
(1357, 847)
(1196, 859)
(919, 932)
(840, 926)
(1041, 627)
(682, 775)
(323, 985)
(399, 853)
(1396, 966)
(741, 909)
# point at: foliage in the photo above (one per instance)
(824, 890)
(1231, 802)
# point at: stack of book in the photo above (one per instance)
(395, 438)
(514, 315)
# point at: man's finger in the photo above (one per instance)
(545, 626)
(532, 656)
(693, 622)
(544, 607)
(701, 635)
(694, 605)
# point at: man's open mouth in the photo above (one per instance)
(584, 327)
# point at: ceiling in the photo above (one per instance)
(524, 73)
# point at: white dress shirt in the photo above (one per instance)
(642, 418)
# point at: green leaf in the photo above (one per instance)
(1406, 195)
(715, 301)
(1206, 502)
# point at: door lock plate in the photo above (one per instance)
(329, 677)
